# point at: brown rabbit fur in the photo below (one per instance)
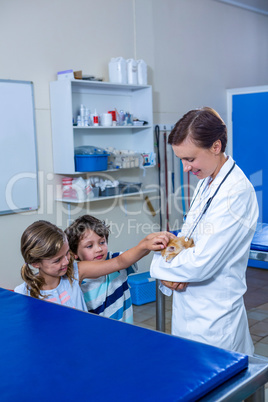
(174, 247)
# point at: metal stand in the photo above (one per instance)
(258, 396)
(160, 309)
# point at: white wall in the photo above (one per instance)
(195, 50)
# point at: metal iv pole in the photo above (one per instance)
(160, 297)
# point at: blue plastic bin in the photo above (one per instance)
(142, 288)
(91, 163)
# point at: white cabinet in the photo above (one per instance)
(66, 96)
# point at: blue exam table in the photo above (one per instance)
(53, 353)
(258, 256)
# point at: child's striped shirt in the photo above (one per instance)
(109, 295)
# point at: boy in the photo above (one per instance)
(109, 295)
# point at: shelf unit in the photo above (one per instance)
(101, 172)
(71, 201)
(112, 128)
(66, 96)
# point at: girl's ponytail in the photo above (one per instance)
(34, 282)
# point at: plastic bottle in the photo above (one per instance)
(79, 124)
(95, 119)
(118, 70)
(132, 75)
(87, 117)
(121, 118)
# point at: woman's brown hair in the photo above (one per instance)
(41, 240)
(204, 126)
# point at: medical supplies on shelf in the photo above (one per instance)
(120, 158)
(110, 118)
(80, 189)
(110, 188)
(124, 159)
(148, 159)
(89, 158)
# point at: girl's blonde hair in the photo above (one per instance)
(41, 240)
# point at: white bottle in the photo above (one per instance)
(95, 119)
(132, 75)
(142, 72)
(118, 70)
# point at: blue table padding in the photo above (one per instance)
(260, 238)
(53, 353)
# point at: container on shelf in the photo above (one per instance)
(95, 119)
(67, 181)
(132, 73)
(90, 159)
(95, 192)
(91, 163)
(109, 191)
(123, 159)
(127, 187)
(118, 70)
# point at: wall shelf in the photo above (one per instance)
(96, 173)
(112, 128)
(72, 201)
(66, 96)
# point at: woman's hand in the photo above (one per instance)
(175, 285)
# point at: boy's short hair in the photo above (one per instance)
(75, 232)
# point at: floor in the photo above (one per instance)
(256, 302)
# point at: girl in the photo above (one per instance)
(45, 247)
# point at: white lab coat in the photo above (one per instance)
(211, 309)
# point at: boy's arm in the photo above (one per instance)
(153, 242)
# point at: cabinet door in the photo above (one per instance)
(250, 141)
(62, 126)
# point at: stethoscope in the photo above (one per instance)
(205, 208)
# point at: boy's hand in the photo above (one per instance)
(156, 241)
(152, 235)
